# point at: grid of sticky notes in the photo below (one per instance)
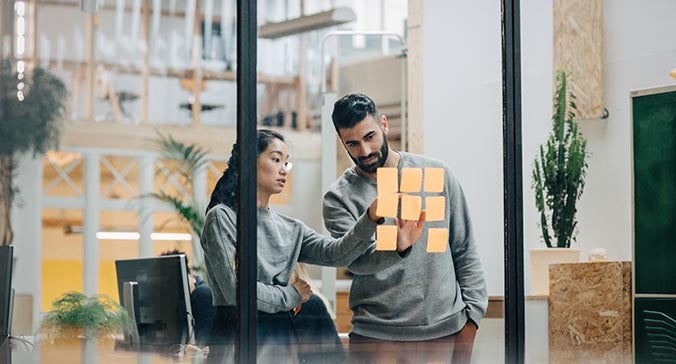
(400, 198)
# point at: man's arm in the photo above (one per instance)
(218, 242)
(468, 269)
(338, 220)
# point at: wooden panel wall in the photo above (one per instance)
(578, 49)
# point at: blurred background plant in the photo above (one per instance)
(32, 108)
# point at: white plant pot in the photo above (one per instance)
(541, 258)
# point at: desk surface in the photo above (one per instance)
(99, 351)
(107, 351)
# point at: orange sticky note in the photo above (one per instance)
(435, 208)
(434, 180)
(386, 180)
(437, 240)
(411, 179)
(386, 237)
(388, 203)
(410, 207)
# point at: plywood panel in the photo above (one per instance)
(590, 313)
(578, 49)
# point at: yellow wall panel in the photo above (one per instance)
(108, 280)
(59, 277)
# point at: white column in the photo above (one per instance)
(146, 178)
(328, 165)
(90, 260)
(199, 195)
(27, 224)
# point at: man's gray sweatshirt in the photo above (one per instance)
(415, 295)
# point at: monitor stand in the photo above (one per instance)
(129, 297)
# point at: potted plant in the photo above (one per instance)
(31, 112)
(84, 319)
(76, 315)
(558, 180)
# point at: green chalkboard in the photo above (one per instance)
(654, 124)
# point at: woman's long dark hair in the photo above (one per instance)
(226, 187)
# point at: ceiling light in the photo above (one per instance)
(117, 235)
(307, 23)
(133, 235)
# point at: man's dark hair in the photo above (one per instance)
(177, 252)
(351, 109)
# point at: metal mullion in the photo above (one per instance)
(513, 183)
(245, 348)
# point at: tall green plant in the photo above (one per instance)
(188, 158)
(560, 170)
(30, 121)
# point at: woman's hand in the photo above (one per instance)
(408, 231)
(303, 289)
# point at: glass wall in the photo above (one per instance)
(139, 71)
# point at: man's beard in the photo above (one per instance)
(381, 157)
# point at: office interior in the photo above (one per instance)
(137, 70)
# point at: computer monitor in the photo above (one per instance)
(158, 299)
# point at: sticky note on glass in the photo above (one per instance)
(386, 237)
(411, 179)
(437, 240)
(386, 180)
(434, 180)
(388, 204)
(410, 207)
(435, 208)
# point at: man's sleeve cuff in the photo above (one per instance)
(474, 316)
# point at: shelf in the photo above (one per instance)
(288, 81)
